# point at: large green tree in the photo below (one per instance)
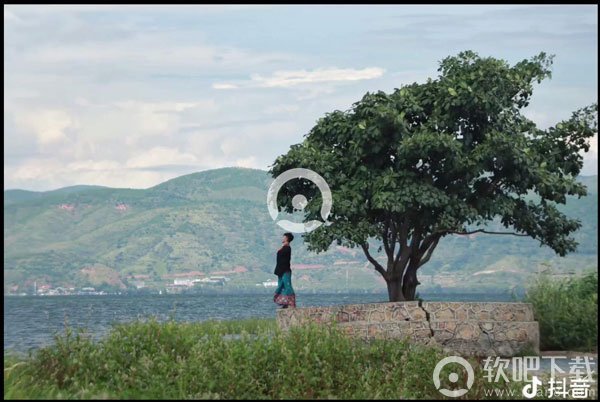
(448, 156)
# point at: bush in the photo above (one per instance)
(567, 311)
(152, 360)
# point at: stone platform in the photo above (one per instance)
(464, 328)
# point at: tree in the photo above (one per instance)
(454, 155)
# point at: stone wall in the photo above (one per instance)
(465, 328)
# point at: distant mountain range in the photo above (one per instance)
(216, 222)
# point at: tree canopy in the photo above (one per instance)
(443, 157)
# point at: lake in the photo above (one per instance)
(31, 321)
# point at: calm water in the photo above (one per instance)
(30, 322)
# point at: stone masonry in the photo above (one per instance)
(464, 328)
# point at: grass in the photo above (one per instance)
(567, 311)
(170, 360)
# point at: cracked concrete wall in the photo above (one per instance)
(465, 328)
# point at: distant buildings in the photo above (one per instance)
(184, 282)
(180, 284)
(48, 290)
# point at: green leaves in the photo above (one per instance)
(451, 151)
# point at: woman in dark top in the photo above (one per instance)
(284, 295)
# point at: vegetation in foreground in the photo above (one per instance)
(150, 359)
(567, 311)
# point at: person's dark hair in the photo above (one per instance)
(289, 236)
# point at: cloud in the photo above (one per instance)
(161, 107)
(286, 79)
(114, 44)
(91, 165)
(249, 162)
(158, 118)
(49, 126)
(130, 97)
(292, 78)
(224, 86)
(161, 156)
(44, 174)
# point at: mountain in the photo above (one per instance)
(216, 223)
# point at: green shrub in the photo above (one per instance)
(169, 360)
(567, 311)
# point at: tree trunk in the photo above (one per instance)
(395, 290)
(410, 283)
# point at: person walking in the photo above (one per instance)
(284, 294)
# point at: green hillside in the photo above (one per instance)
(215, 221)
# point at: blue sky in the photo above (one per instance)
(131, 96)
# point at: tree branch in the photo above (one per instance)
(415, 238)
(386, 243)
(483, 231)
(403, 241)
(404, 233)
(404, 250)
(494, 184)
(378, 267)
(430, 249)
(400, 249)
(393, 234)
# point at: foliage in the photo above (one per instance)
(567, 311)
(151, 360)
(444, 157)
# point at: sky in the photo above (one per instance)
(132, 96)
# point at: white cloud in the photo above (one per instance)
(91, 165)
(48, 125)
(50, 174)
(156, 118)
(249, 162)
(124, 96)
(145, 52)
(162, 107)
(291, 78)
(32, 169)
(161, 156)
(286, 79)
(121, 178)
(224, 86)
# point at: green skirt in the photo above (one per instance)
(284, 294)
